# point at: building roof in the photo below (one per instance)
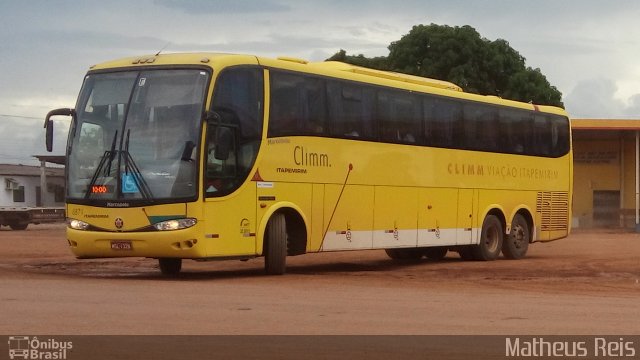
(55, 159)
(605, 124)
(28, 170)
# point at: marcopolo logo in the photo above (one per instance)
(31, 348)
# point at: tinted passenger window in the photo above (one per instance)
(541, 136)
(238, 98)
(442, 121)
(350, 109)
(398, 116)
(560, 135)
(480, 128)
(515, 131)
(298, 105)
(303, 104)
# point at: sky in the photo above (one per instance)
(588, 49)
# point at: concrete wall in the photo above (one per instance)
(604, 167)
(30, 183)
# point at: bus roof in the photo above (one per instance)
(205, 58)
(336, 65)
(329, 68)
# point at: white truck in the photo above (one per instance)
(31, 194)
(18, 218)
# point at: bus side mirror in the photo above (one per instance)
(224, 143)
(49, 135)
(48, 124)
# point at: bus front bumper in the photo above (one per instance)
(154, 244)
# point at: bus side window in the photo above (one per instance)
(398, 114)
(560, 135)
(386, 130)
(297, 105)
(367, 108)
(285, 113)
(239, 95)
(428, 109)
(488, 131)
(314, 107)
(442, 122)
(334, 90)
(351, 110)
(480, 128)
(514, 132)
(471, 115)
(541, 135)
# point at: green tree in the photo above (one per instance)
(460, 55)
(379, 63)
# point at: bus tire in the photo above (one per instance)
(491, 239)
(436, 253)
(275, 253)
(405, 254)
(170, 266)
(516, 244)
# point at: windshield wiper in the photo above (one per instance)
(130, 167)
(107, 158)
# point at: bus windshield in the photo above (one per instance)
(136, 135)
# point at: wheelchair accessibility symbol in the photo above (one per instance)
(129, 184)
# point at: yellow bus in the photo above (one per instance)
(217, 156)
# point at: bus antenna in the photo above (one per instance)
(164, 47)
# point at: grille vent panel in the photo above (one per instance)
(553, 207)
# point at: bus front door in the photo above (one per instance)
(230, 226)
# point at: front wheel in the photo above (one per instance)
(517, 242)
(491, 239)
(275, 252)
(170, 266)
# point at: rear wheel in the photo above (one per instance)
(275, 252)
(491, 240)
(516, 244)
(170, 266)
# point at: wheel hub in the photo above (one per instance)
(517, 236)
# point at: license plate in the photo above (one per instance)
(121, 245)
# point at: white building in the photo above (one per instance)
(20, 186)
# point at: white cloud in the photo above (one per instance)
(24, 137)
(596, 98)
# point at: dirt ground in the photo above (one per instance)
(586, 284)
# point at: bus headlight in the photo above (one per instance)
(77, 224)
(176, 224)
